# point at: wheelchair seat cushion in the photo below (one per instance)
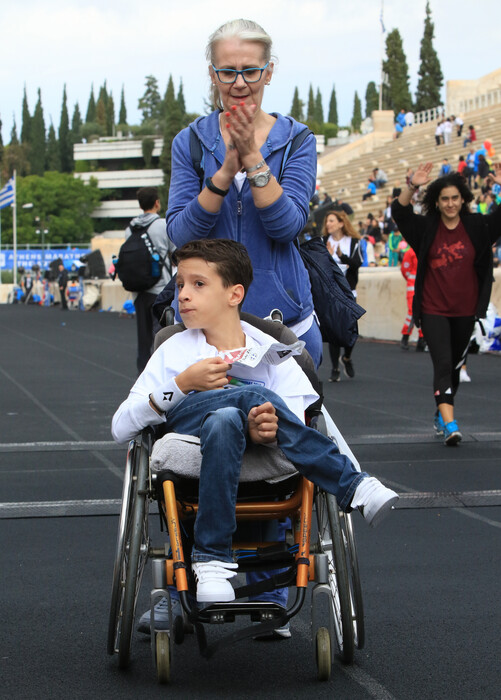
(181, 454)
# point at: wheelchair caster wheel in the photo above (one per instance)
(323, 654)
(162, 644)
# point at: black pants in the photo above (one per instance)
(144, 320)
(448, 339)
(334, 352)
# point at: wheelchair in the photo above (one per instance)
(319, 548)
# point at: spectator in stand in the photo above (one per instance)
(371, 189)
(325, 198)
(400, 118)
(439, 133)
(367, 249)
(394, 240)
(409, 118)
(343, 243)
(445, 168)
(380, 177)
(340, 205)
(472, 136)
(399, 129)
(469, 171)
(461, 166)
(396, 190)
(447, 127)
(482, 171)
(458, 122)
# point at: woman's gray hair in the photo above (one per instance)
(244, 29)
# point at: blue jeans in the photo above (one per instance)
(219, 419)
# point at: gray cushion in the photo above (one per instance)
(181, 455)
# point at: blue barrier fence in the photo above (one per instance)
(28, 258)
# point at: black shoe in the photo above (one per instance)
(349, 370)
(335, 376)
(404, 343)
(421, 345)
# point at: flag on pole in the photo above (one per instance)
(7, 194)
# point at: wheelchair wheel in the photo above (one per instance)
(323, 654)
(354, 580)
(331, 541)
(162, 647)
(132, 550)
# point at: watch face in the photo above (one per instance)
(261, 179)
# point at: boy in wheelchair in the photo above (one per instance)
(189, 386)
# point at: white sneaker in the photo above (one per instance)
(373, 499)
(464, 376)
(212, 581)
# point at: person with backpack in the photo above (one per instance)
(144, 267)
(239, 189)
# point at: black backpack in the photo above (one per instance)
(139, 265)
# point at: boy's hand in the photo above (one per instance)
(204, 375)
(263, 423)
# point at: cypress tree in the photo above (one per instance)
(430, 74)
(122, 116)
(297, 107)
(150, 102)
(65, 140)
(180, 100)
(173, 125)
(26, 120)
(310, 116)
(91, 107)
(14, 141)
(397, 94)
(319, 110)
(356, 121)
(53, 152)
(76, 125)
(371, 98)
(38, 145)
(110, 115)
(333, 118)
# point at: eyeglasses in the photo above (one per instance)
(229, 75)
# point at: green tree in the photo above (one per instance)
(430, 74)
(64, 204)
(102, 109)
(91, 107)
(181, 102)
(371, 98)
(14, 141)
(53, 150)
(26, 120)
(37, 152)
(310, 115)
(1, 145)
(150, 102)
(297, 107)
(356, 121)
(319, 110)
(15, 157)
(122, 116)
(76, 125)
(396, 95)
(110, 116)
(333, 118)
(65, 139)
(147, 145)
(173, 125)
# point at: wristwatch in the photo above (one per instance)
(255, 167)
(260, 179)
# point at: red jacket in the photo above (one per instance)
(408, 268)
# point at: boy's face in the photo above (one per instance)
(204, 302)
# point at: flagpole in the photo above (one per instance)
(14, 234)
(382, 59)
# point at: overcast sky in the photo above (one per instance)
(323, 42)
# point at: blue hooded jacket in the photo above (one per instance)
(280, 278)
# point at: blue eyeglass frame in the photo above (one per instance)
(239, 72)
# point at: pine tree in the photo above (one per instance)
(430, 74)
(102, 108)
(150, 102)
(356, 121)
(319, 110)
(333, 118)
(396, 95)
(26, 120)
(310, 116)
(110, 116)
(91, 108)
(14, 141)
(38, 147)
(76, 125)
(65, 140)
(122, 117)
(180, 100)
(53, 152)
(173, 125)
(371, 98)
(297, 107)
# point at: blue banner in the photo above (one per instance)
(28, 258)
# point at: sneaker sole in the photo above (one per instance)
(208, 598)
(383, 512)
(453, 439)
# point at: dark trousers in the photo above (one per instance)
(334, 352)
(144, 321)
(448, 339)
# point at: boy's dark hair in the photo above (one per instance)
(147, 196)
(230, 257)
(432, 194)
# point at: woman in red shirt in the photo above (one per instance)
(453, 278)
